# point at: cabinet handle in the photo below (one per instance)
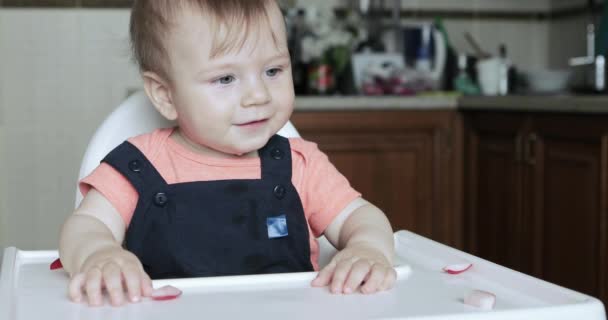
(518, 148)
(530, 149)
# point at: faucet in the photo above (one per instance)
(598, 62)
(590, 57)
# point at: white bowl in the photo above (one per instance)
(548, 80)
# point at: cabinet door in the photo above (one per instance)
(396, 159)
(494, 187)
(570, 201)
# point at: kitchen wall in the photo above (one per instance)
(567, 39)
(460, 5)
(63, 71)
(538, 33)
(3, 222)
(529, 51)
(531, 43)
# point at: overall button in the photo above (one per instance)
(135, 166)
(279, 191)
(160, 199)
(276, 154)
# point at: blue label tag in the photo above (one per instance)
(277, 226)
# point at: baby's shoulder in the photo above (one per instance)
(150, 143)
(304, 150)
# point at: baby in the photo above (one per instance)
(221, 193)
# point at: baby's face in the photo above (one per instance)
(234, 102)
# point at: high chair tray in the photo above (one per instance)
(29, 290)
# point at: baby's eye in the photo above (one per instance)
(225, 80)
(273, 72)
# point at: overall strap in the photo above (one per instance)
(150, 185)
(133, 165)
(275, 158)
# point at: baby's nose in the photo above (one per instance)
(256, 93)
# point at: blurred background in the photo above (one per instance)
(66, 64)
(410, 87)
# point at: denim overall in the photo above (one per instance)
(214, 228)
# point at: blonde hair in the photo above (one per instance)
(152, 20)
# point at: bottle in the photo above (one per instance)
(423, 56)
(321, 78)
(297, 29)
(450, 70)
(503, 71)
(462, 82)
(600, 76)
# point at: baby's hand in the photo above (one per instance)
(114, 269)
(357, 266)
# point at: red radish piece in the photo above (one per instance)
(480, 299)
(166, 293)
(457, 268)
(56, 265)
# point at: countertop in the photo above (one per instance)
(557, 103)
(335, 103)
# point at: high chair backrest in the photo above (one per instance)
(134, 116)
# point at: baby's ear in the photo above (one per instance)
(159, 93)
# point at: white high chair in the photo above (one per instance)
(134, 116)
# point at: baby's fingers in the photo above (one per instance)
(92, 286)
(389, 280)
(112, 278)
(146, 284)
(75, 287)
(375, 280)
(133, 282)
(324, 276)
(358, 272)
(340, 274)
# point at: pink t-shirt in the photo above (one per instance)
(323, 190)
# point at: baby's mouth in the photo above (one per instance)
(252, 122)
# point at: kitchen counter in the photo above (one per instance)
(560, 103)
(338, 103)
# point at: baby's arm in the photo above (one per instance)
(365, 237)
(90, 250)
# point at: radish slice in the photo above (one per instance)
(56, 265)
(457, 268)
(480, 299)
(166, 293)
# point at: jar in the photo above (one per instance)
(321, 78)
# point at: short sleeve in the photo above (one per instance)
(114, 187)
(324, 191)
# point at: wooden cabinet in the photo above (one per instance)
(535, 187)
(494, 192)
(408, 163)
(536, 195)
